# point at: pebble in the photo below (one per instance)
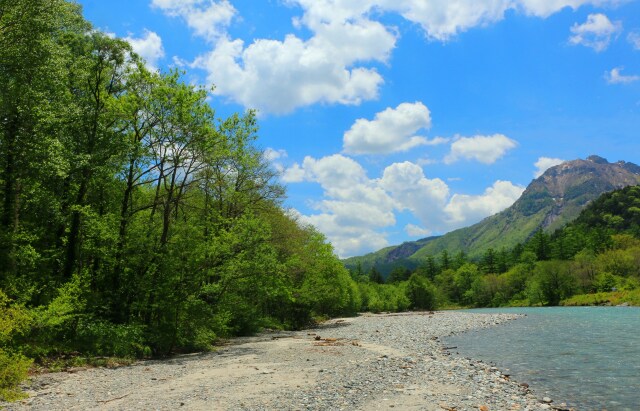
(362, 363)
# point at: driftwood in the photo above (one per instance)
(114, 399)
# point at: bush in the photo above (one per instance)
(13, 370)
(421, 293)
(14, 321)
(107, 339)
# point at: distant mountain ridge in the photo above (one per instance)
(549, 202)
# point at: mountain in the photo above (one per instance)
(549, 202)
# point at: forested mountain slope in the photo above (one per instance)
(549, 202)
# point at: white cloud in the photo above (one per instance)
(333, 65)
(412, 190)
(347, 240)
(358, 213)
(271, 154)
(391, 130)
(149, 47)
(354, 206)
(615, 77)
(485, 149)
(416, 231)
(634, 39)
(293, 174)
(280, 76)
(545, 163)
(596, 32)
(545, 8)
(440, 20)
(356, 209)
(207, 18)
(334, 172)
(464, 209)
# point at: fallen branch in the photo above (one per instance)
(114, 399)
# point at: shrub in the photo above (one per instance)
(14, 320)
(13, 370)
(108, 339)
(421, 293)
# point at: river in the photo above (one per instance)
(588, 357)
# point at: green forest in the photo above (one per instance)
(136, 223)
(593, 260)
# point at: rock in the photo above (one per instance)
(547, 400)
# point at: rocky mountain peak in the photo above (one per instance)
(550, 201)
(597, 159)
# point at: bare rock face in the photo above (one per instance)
(564, 190)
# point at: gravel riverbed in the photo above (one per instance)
(371, 362)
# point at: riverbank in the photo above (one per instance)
(623, 297)
(392, 361)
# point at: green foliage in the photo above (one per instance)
(551, 283)
(399, 274)
(13, 370)
(464, 279)
(600, 251)
(135, 222)
(15, 321)
(628, 297)
(375, 276)
(421, 293)
(383, 297)
(103, 338)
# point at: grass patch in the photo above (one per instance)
(630, 297)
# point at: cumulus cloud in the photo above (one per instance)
(333, 173)
(354, 206)
(336, 63)
(391, 130)
(413, 191)
(616, 77)
(356, 210)
(347, 240)
(280, 76)
(149, 47)
(293, 174)
(545, 163)
(207, 18)
(485, 149)
(596, 32)
(463, 210)
(440, 20)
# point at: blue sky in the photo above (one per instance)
(393, 120)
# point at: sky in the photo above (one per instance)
(394, 120)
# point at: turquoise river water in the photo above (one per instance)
(588, 357)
